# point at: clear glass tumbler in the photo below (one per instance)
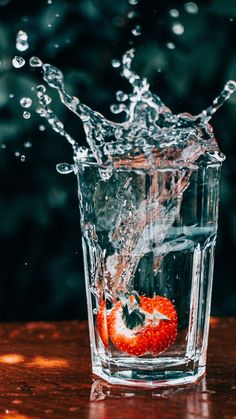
(148, 244)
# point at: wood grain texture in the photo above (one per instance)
(45, 373)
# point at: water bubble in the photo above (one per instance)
(26, 102)
(22, 41)
(22, 157)
(42, 128)
(121, 96)
(133, 2)
(115, 63)
(137, 30)
(178, 28)
(27, 144)
(191, 8)
(170, 45)
(174, 13)
(26, 115)
(35, 62)
(18, 62)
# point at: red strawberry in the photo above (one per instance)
(102, 323)
(143, 325)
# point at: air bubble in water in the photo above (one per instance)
(191, 8)
(26, 115)
(35, 62)
(26, 102)
(27, 144)
(174, 13)
(170, 45)
(137, 30)
(22, 41)
(22, 157)
(18, 62)
(178, 28)
(115, 63)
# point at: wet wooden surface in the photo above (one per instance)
(45, 373)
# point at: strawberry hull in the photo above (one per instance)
(148, 243)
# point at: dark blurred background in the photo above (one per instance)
(187, 52)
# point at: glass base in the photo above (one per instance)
(150, 377)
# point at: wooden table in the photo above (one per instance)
(45, 373)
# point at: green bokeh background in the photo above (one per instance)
(41, 267)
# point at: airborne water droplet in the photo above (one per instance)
(27, 144)
(18, 62)
(132, 14)
(65, 168)
(35, 62)
(133, 2)
(191, 8)
(22, 41)
(26, 115)
(174, 13)
(115, 63)
(22, 157)
(178, 28)
(137, 30)
(42, 128)
(26, 102)
(170, 45)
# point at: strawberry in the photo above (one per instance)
(142, 325)
(102, 323)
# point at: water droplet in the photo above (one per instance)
(26, 102)
(49, 1)
(27, 144)
(17, 154)
(22, 158)
(11, 95)
(18, 62)
(57, 15)
(26, 115)
(132, 14)
(178, 28)
(174, 13)
(3, 146)
(35, 62)
(22, 41)
(65, 168)
(42, 128)
(49, 25)
(117, 108)
(133, 2)
(56, 45)
(170, 45)
(121, 96)
(137, 30)
(115, 63)
(191, 8)
(231, 19)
